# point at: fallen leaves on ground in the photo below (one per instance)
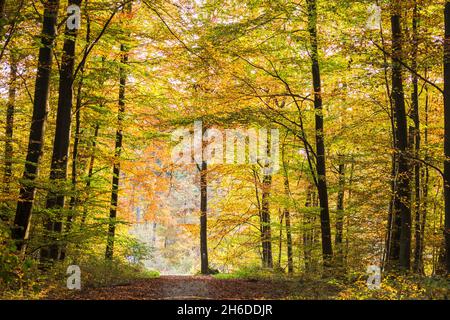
(203, 288)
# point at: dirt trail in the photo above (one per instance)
(203, 288)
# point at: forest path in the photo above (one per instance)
(208, 287)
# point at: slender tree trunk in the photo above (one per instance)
(290, 253)
(349, 201)
(74, 198)
(327, 250)
(392, 247)
(425, 179)
(36, 139)
(76, 142)
(401, 208)
(280, 238)
(388, 254)
(265, 215)
(77, 135)
(10, 122)
(118, 149)
(287, 215)
(447, 135)
(9, 130)
(58, 169)
(417, 265)
(204, 218)
(258, 202)
(89, 177)
(340, 215)
(308, 231)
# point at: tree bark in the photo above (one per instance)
(290, 254)
(327, 250)
(349, 201)
(258, 202)
(74, 174)
(204, 218)
(287, 214)
(401, 210)
(89, 177)
(9, 130)
(27, 192)
(265, 221)
(58, 169)
(308, 231)
(392, 248)
(76, 142)
(118, 149)
(77, 135)
(265, 217)
(425, 181)
(417, 265)
(340, 215)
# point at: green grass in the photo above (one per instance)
(254, 273)
(149, 274)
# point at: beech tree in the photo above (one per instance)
(58, 171)
(20, 230)
(401, 227)
(322, 190)
(118, 147)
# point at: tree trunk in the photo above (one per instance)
(76, 142)
(265, 221)
(9, 130)
(36, 139)
(280, 239)
(392, 247)
(204, 218)
(258, 202)
(58, 169)
(425, 179)
(89, 177)
(349, 201)
(74, 198)
(394, 220)
(118, 149)
(287, 215)
(10, 127)
(77, 135)
(340, 215)
(290, 253)
(447, 135)
(401, 210)
(327, 250)
(308, 231)
(417, 265)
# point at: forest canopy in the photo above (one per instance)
(287, 138)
